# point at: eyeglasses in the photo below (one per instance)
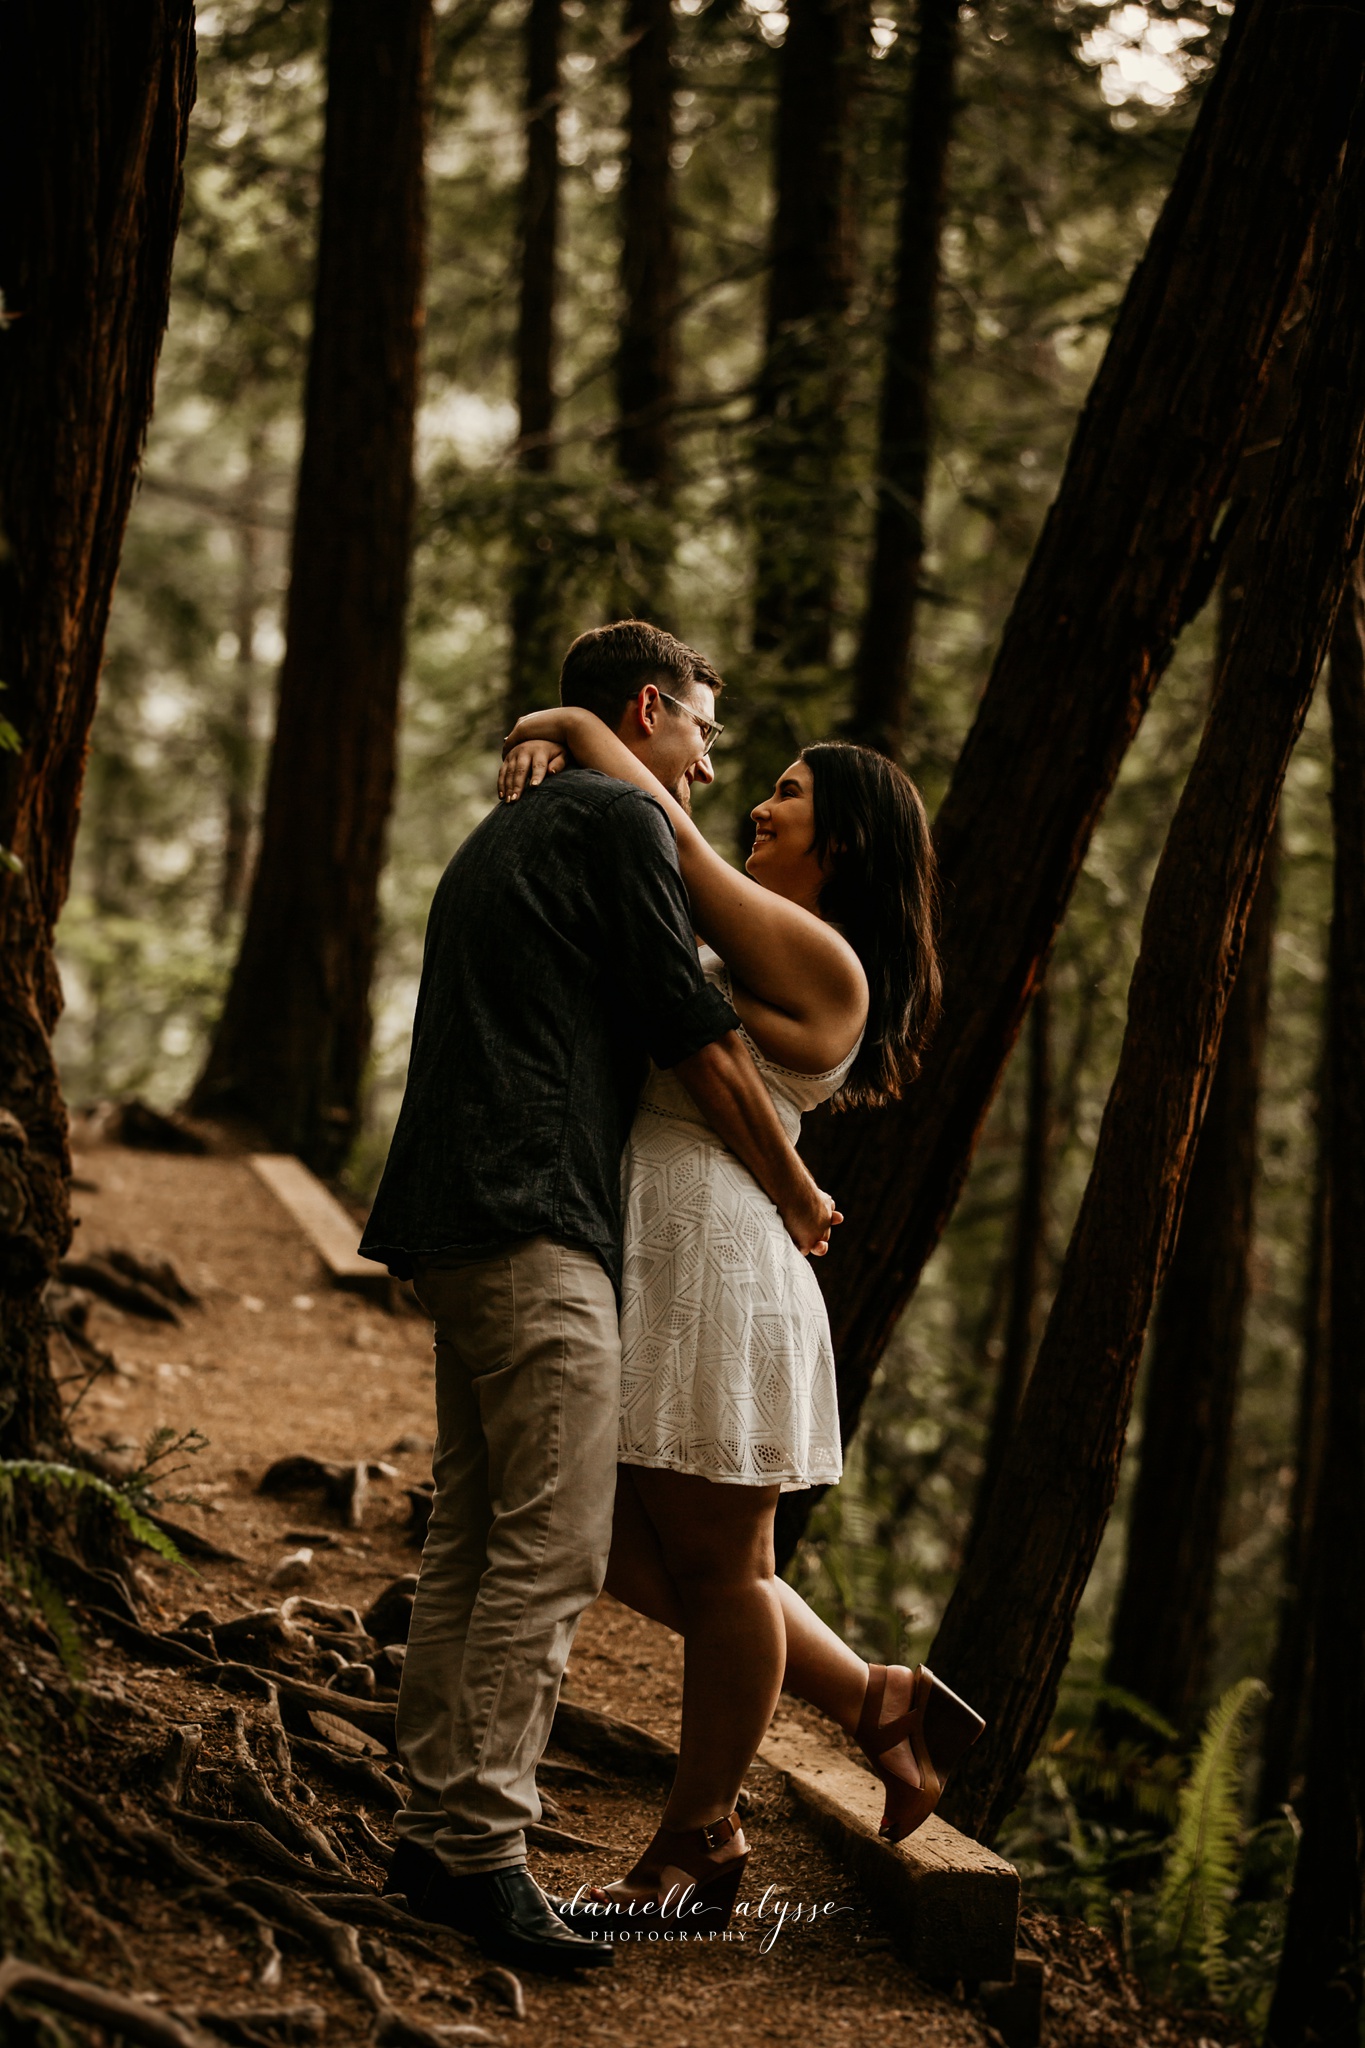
(709, 729)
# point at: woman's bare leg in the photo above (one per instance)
(820, 1667)
(716, 1543)
(636, 1573)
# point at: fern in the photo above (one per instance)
(45, 1476)
(1199, 1884)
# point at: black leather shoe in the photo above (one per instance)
(505, 1911)
(413, 1869)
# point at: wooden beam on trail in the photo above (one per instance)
(951, 1904)
(330, 1230)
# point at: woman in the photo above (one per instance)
(728, 1392)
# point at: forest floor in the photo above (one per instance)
(275, 1362)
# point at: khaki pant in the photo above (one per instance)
(528, 1378)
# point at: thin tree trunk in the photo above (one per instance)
(234, 731)
(1162, 1627)
(290, 1048)
(1007, 1631)
(885, 652)
(799, 412)
(1292, 1663)
(94, 112)
(1121, 561)
(1318, 1997)
(1026, 1256)
(646, 361)
(533, 669)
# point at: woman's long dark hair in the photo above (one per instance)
(882, 892)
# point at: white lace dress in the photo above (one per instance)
(727, 1369)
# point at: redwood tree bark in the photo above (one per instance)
(533, 669)
(1006, 1634)
(94, 111)
(1318, 1997)
(1026, 1255)
(290, 1048)
(646, 367)
(1121, 558)
(799, 410)
(1161, 1637)
(885, 651)
(1160, 1645)
(1292, 1662)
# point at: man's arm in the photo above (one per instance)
(726, 1087)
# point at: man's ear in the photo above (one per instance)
(647, 707)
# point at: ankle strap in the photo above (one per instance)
(720, 1831)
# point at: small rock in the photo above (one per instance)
(293, 1569)
(411, 1444)
(304, 1301)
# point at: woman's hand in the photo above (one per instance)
(528, 761)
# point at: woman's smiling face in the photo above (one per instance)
(784, 858)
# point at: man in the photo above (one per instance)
(559, 955)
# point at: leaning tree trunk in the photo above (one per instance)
(94, 110)
(1026, 1255)
(1121, 561)
(1291, 1665)
(799, 410)
(1006, 1635)
(1160, 1645)
(289, 1052)
(882, 674)
(1163, 1623)
(1318, 1997)
(532, 669)
(646, 358)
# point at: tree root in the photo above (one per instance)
(371, 1845)
(128, 2017)
(505, 1987)
(270, 2023)
(248, 1839)
(364, 1909)
(146, 1844)
(339, 1947)
(179, 1760)
(354, 1773)
(265, 1905)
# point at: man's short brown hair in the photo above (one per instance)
(607, 667)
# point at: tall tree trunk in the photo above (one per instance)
(290, 1048)
(1318, 1997)
(1292, 1662)
(885, 651)
(1006, 1634)
(533, 669)
(94, 111)
(234, 734)
(799, 411)
(1121, 561)
(646, 360)
(1025, 1257)
(1162, 1627)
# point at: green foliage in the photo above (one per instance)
(72, 1482)
(1195, 1900)
(1199, 1883)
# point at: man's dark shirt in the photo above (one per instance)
(559, 952)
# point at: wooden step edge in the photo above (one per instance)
(951, 1904)
(331, 1231)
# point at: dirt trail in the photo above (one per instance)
(277, 1362)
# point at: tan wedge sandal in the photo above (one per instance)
(940, 1729)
